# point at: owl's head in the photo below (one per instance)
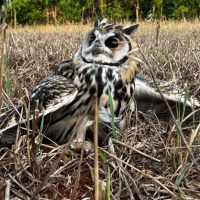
(107, 44)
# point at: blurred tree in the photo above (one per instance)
(180, 9)
(51, 10)
(26, 11)
(168, 8)
(137, 8)
(114, 10)
(102, 6)
(62, 11)
(75, 10)
(2, 11)
(180, 12)
(157, 7)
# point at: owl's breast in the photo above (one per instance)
(107, 84)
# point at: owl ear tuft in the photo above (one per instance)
(129, 30)
(100, 22)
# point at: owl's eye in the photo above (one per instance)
(91, 39)
(112, 42)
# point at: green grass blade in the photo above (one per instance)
(108, 183)
(114, 134)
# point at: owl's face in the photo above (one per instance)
(107, 44)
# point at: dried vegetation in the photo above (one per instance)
(150, 162)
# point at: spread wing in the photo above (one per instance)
(149, 100)
(48, 97)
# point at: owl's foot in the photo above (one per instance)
(77, 144)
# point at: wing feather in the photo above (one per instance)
(51, 94)
(148, 100)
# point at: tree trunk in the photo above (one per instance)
(137, 8)
(101, 7)
(54, 15)
(47, 15)
(15, 19)
(2, 14)
(157, 32)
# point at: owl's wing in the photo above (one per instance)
(149, 100)
(51, 94)
(66, 69)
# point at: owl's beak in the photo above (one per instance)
(97, 48)
(96, 51)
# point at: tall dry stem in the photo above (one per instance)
(2, 59)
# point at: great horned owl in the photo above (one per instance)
(104, 66)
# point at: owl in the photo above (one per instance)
(104, 67)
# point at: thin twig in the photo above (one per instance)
(7, 191)
(17, 183)
(136, 150)
(134, 185)
(154, 179)
(96, 153)
(195, 56)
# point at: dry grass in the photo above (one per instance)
(32, 54)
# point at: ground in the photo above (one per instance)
(165, 171)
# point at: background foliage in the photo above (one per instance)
(62, 11)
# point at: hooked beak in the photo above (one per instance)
(97, 48)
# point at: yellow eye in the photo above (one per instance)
(112, 42)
